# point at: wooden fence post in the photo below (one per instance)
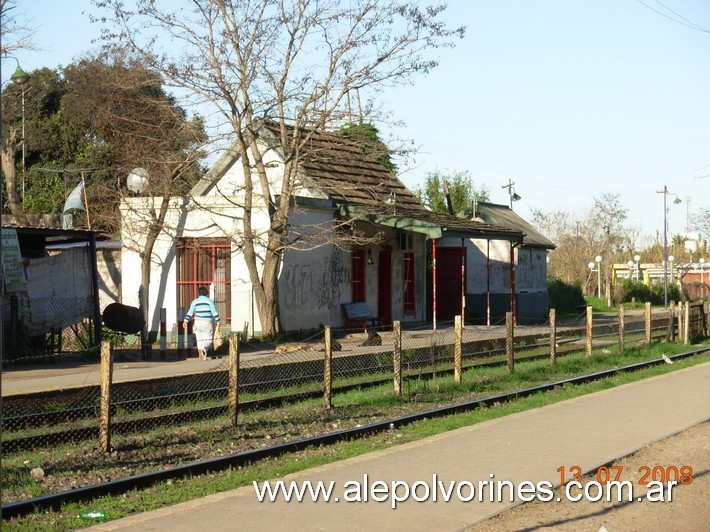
(106, 376)
(509, 337)
(397, 357)
(622, 326)
(686, 326)
(181, 333)
(670, 335)
(233, 385)
(648, 322)
(553, 337)
(163, 333)
(327, 370)
(457, 349)
(590, 331)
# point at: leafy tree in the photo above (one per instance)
(295, 64)
(50, 143)
(129, 119)
(461, 190)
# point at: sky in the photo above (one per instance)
(568, 100)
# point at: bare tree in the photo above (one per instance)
(702, 221)
(295, 64)
(608, 217)
(17, 30)
(600, 232)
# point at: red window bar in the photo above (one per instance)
(205, 262)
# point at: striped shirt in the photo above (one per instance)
(203, 308)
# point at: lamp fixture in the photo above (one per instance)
(598, 262)
(514, 196)
(19, 77)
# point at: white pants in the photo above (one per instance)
(204, 335)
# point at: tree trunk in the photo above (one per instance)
(10, 172)
(145, 254)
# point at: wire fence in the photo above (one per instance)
(40, 327)
(325, 363)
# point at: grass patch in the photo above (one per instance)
(379, 402)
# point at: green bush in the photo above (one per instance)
(564, 297)
(628, 289)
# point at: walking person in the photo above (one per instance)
(204, 313)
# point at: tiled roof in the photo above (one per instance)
(339, 167)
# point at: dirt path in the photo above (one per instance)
(688, 511)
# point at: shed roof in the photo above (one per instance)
(502, 215)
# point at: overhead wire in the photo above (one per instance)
(683, 22)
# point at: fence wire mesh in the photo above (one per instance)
(61, 419)
(41, 327)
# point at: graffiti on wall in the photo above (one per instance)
(316, 286)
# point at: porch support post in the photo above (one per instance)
(433, 283)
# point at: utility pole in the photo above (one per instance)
(665, 193)
(511, 192)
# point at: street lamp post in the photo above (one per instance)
(637, 258)
(665, 193)
(702, 279)
(20, 77)
(597, 260)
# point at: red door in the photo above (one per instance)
(448, 283)
(384, 285)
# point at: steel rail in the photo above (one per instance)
(79, 434)
(114, 487)
(74, 414)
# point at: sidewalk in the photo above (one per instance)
(587, 431)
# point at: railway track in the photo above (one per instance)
(55, 501)
(36, 422)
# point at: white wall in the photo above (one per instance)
(313, 281)
(211, 218)
(531, 272)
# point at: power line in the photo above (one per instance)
(683, 22)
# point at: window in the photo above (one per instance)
(408, 299)
(357, 274)
(205, 262)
